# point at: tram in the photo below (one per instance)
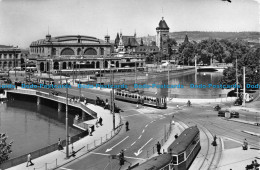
(135, 97)
(181, 153)
(185, 148)
(161, 162)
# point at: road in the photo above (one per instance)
(147, 127)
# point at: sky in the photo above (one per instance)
(24, 21)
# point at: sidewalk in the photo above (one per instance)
(236, 158)
(101, 135)
(208, 156)
(199, 101)
(242, 121)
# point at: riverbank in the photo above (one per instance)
(143, 76)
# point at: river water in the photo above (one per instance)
(32, 127)
(187, 81)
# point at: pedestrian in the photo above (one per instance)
(245, 145)
(97, 123)
(176, 136)
(158, 146)
(29, 160)
(127, 126)
(73, 153)
(177, 106)
(59, 145)
(100, 121)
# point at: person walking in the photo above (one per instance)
(59, 145)
(97, 122)
(127, 126)
(245, 145)
(29, 160)
(158, 146)
(100, 121)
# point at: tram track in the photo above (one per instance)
(227, 129)
(201, 127)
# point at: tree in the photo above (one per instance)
(5, 149)
(251, 63)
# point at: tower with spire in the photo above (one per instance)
(186, 40)
(162, 33)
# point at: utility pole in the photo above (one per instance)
(169, 95)
(196, 69)
(135, 72)
(112, 110)
(244, 91)
(15, 62)
(236, 78)
(67, 126)
(100, 72)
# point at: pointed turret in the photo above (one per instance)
(186, 40)
(141, 43)
(117, 40)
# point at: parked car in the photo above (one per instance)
(223, 113)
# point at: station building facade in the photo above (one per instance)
(75, 52)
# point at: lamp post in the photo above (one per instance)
(112, 109)
(15, 62)
(236, 78)
(67, 126)
(135, 72)
(244, 87)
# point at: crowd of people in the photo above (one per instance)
(5, 148)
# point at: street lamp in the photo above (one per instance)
(112, 109)
(67, 125)
(236, 77)
(244, 91)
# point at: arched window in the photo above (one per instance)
(54, 51)
(97, 64)
(90, 51)
(106, 64)
(56, 66)
(41, 66)
(101, 51)
(67, 51)
(78, 51)
(64, 65)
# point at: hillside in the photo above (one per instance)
(198, 36)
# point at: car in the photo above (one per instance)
(227, 113)
(238, 102)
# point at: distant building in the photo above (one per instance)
(186, 39)
(66, 53)
(69, 52)
(162, 36)
(10, 57)
(126, 44)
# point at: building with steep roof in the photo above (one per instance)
(126, 44)
(162, 36)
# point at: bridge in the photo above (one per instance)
(214, 67)
(58, 99)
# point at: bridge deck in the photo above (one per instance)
(58, 99)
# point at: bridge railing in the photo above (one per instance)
(40, 152)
